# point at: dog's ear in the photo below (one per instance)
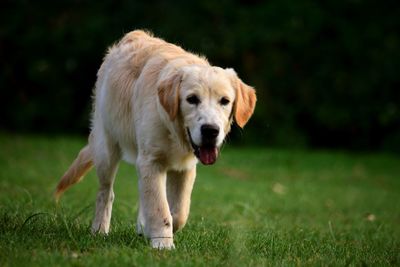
(245, 100)
(168, 94)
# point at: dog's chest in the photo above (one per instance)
(180, 162)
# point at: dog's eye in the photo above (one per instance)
(193, 99)
(224, 101)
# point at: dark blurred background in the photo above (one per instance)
(326, 72)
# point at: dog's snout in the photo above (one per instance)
(209, 131)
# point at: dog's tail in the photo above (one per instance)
(81, 165)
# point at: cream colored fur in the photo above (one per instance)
(142, 115)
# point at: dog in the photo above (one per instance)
(162, 109)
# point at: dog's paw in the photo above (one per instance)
(162, 243)
(139, 229)
(100, 229)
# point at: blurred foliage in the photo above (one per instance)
(326, 72)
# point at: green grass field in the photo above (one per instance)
(255, 207)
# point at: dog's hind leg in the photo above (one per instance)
(106, 155)
(179, 190)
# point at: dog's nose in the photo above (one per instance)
(209, 131)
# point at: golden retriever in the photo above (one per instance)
(162, 109)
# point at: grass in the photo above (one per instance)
(255, 207)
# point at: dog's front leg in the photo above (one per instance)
(179, 190)
(155, 220)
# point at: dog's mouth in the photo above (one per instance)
(207, 154)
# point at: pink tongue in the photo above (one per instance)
(208, 155)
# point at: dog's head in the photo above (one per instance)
(207, 99)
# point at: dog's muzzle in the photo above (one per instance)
(207, 152)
